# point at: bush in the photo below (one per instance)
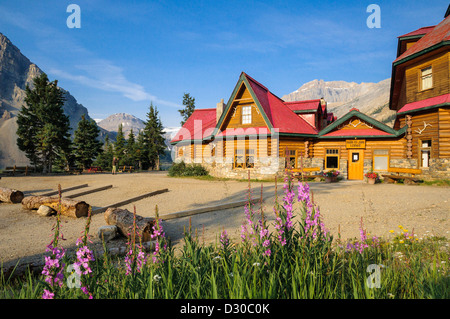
(183, 169)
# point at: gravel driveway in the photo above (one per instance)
(24, 235)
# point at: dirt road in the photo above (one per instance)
(24, 235)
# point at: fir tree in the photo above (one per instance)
(120, 146)
(131, 149)
(189, 107)
(86, 143)
(105, 158)
(43, 128)
(141, 150)
(154, 142)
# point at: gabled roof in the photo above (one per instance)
(196, 126)
(437, 37)
(417, 33)
(379, 129)
(273, 109)
(432, 102)
(307, 106)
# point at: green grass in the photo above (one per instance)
(309, 264)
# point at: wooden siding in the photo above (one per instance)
(424, 126)
(444, 133)
(234, 116)
(440, 72)
(396, 147)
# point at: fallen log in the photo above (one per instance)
(123, 219)
(130, 200)
(8, 195)
(64, 190)
(69, 207)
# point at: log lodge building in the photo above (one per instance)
(257, 131)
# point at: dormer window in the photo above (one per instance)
(426, 78)
(247, 114)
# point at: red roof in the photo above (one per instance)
(199, 125)
(421, 31)
(432, 101)
(280, 116)
(307, 105)
(438, 34)
(358, 132)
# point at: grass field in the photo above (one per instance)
(296, 260)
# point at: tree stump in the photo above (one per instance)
(8, 195)
(123, 219)
(69, 207)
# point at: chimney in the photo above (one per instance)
(219, 110)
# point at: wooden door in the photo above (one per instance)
(356, 164)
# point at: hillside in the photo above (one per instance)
(370, 98)
(16, 72)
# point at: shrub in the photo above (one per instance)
(183, 169)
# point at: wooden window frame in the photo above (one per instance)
(246, 116)
(421, 78)
(338, 155)
(421, 148)
(388, 155)
(290, 156)
(247, 153)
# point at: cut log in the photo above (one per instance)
(69, 207)
(123, 219)
(8, 195)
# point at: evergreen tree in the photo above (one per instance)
(154, 142)
(131, 149)
(43, 128)
(104, 159)
(120, 146)
(189, 107)
(141, 150)
(86, 143)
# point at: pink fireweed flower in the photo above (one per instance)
(48, 294)
(224, 240)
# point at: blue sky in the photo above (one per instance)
(128, 53)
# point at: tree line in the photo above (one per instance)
(44, 135)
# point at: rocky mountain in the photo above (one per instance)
(16, 72)
(370, 98)
(129, 122)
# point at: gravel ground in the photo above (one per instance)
(382, 207)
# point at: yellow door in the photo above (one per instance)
(356, 164)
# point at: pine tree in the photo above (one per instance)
(105, 158)
(86, 143)
(131, 149)
(154, 142)
(141, 150)
(120, 146)
(189, 103)
(43, 128)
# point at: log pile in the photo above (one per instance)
(123, 219)
(69, 207)
(8, 195)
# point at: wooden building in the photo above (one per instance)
(420, 93)
(257, 131)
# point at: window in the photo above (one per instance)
(332, 158)
(380, 160)
(290, 158)
(426, 78)
(244, 158)
(425, 153)
(247, 114)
